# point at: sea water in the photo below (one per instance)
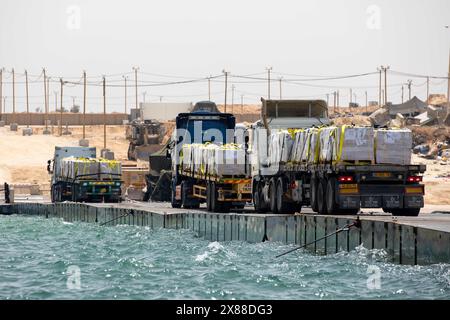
(52, 259)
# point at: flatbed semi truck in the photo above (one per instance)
(191, 187)
(78, 176)
(334, 188)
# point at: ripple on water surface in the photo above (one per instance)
(128, 262)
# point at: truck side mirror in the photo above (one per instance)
(49, 163)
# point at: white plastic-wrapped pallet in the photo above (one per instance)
(354, 144)
(197, 155)
(298, 146)
(229, 160)
(109, 169)
(393, 146)
(280, 146)
(187, 157)
(310, 152)
(327, 144)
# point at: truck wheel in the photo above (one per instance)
(283, 207)
(313, 194)
(185, 201)
(175, 203)
(53, 194)
(208, 196)
(321, 197)
(273, 196)
(215, 207)
(260, 207)
(406, 212)
(332, 205)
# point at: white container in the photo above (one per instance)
(393, 146)
(357, 144)
(229, 161)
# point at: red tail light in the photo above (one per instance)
(414, 179)
(345, 179)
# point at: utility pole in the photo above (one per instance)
(84, 105)
(409, 82)
(160, 98)
(48, 95)
(351, 95)
(232, 98)
(328, 98)
(356, 98)
(280, 80)
(28, 105)
(143, 95)
(242, 104)
(209, 88)
(104, 112)
(448, 86)
(125, 79)
(367, 103)
(1, 92)
(403, 92)
(61, 107)
(226, 89)
(135, 84)
(45, 99)
(385, 85)
(14, 95)
(428, 90)
(334, 102)
(56, 100)
(382, 95)
(73, 102)
(379, 88)
(269, 69)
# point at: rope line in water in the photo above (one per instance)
(130, 212)
(356, 224)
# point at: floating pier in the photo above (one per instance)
(407, 240)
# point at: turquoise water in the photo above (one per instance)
(128, 262)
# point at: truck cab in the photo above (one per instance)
(282, 114)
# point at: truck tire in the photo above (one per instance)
(321, 197)
(186, 202)
(406, 212)
(217, 206)
(273, 195)
(313, 194)
(283, 206)
(53, 194)
(175, 203)
(332, 205)
(208, 196)
(258, 199)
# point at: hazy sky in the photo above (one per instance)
(197, 38)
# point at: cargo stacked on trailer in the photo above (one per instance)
(208, 164)
(298, 159)
(78, 176)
